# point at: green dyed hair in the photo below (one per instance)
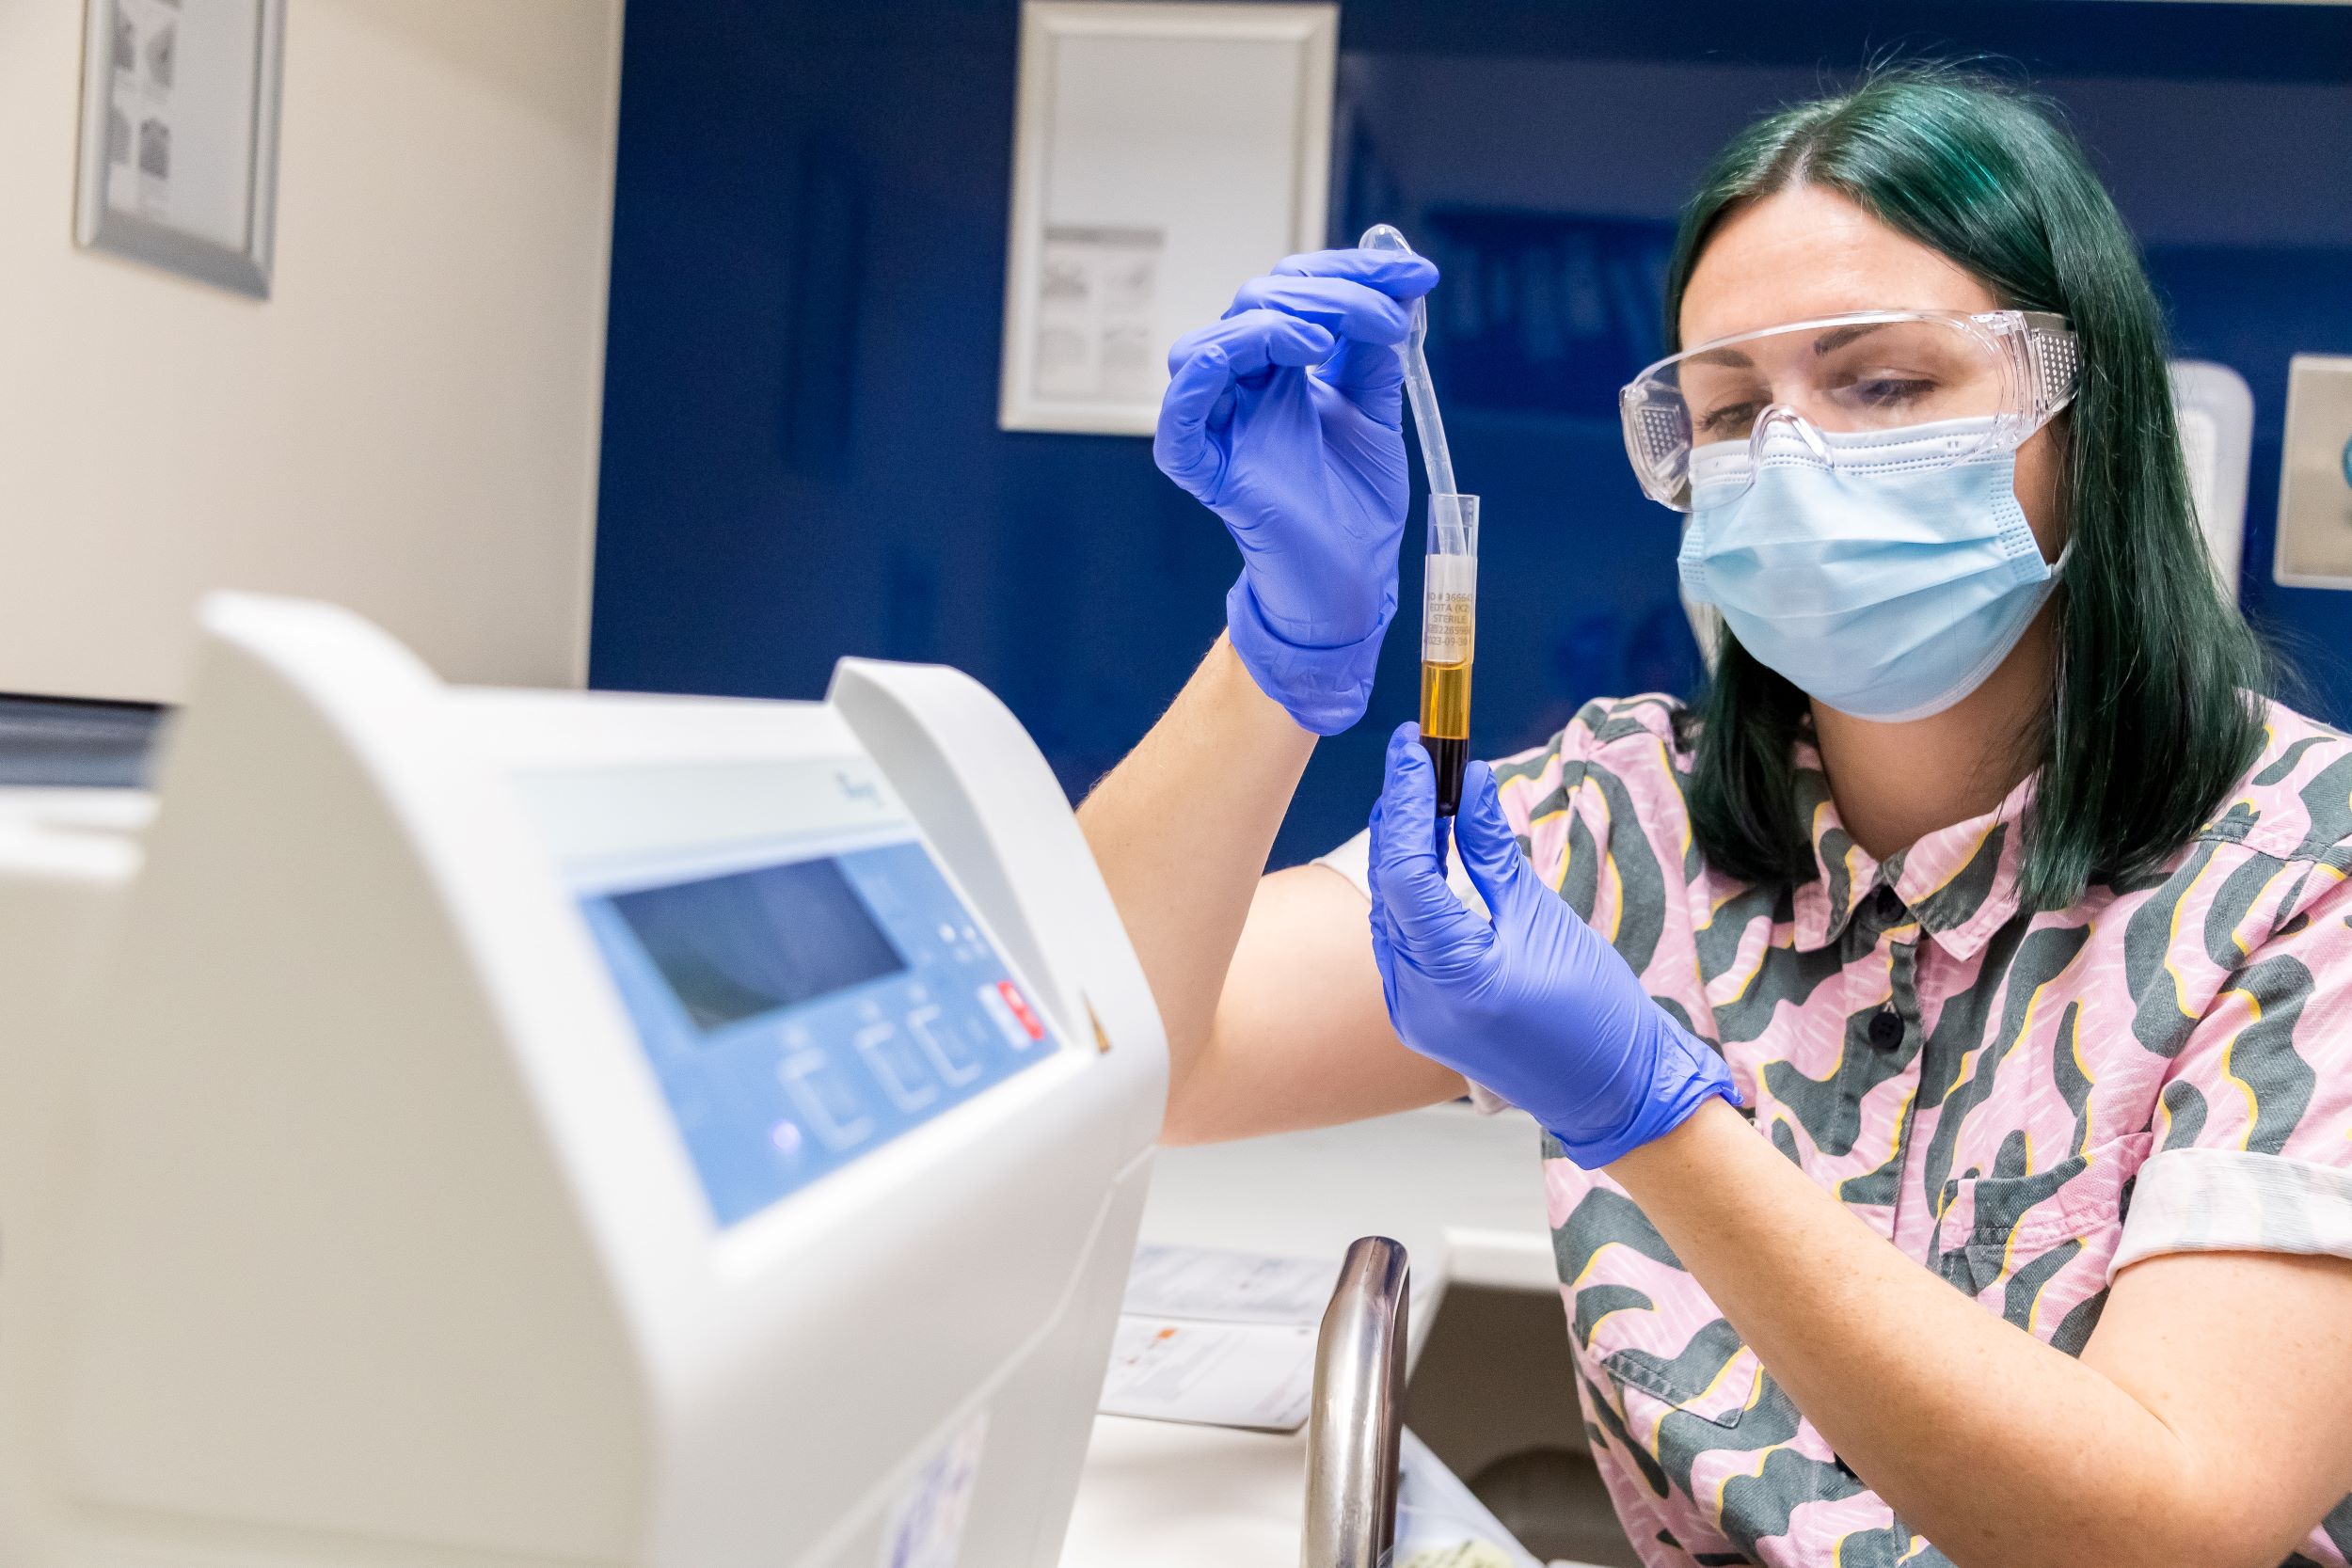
(2152, 714)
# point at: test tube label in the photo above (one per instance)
(1449, 610)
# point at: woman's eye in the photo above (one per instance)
(1890, 391)
(1731, 417)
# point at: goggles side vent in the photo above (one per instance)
(2058, 364)
(1662, 433)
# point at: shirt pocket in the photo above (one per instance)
(1648, 1336)
(1647, 1340)
(2034, 1247)
(1717, 1383)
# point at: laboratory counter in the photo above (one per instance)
(1463, 1192)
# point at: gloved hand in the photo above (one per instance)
(1533, 1004)
(1285, 418)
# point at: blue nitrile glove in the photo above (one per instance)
(1533, 1004)
(1285, 418)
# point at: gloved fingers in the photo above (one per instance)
(1383, 950)
(1367, 359)
(1256, 341)
(1489, 852)
(1398, 273)
(1384, 960)
(1181, 443)
(1421, 915)
(1371, 375)
(1347, 308)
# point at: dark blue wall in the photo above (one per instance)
(800, 456)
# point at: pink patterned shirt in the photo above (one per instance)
(2023, 1101)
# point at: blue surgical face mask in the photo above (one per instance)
(1888, 586)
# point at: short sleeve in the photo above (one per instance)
(1353, 861)
(2253, 1149)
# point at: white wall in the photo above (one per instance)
(408, 426)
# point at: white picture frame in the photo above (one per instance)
(179, 149)
(1162, 154)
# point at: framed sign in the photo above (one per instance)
(2315, 547)
(180, 136)
(1162, 154)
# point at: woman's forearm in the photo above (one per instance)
(1998, 1448)
(1182, 830)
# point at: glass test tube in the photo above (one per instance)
(1448, 625)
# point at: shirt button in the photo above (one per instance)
(1887, 1029)
(1886, 906)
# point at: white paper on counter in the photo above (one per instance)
(1439, 1521)
(1255, 1375)
(1217, 1285)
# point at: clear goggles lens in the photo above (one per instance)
(2008, 371)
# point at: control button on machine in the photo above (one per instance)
(826, 1102)
(1000, 1015)
(1020, 1006)
(893, 1059)
(950, 1051)
(1014, 1021)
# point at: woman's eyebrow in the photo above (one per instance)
(1838, 337)
(1828, 343)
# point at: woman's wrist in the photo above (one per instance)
(1260, 719)
(1682, 1151)
(1682, 1074)
(1325, 689)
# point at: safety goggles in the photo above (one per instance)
(1989, 380)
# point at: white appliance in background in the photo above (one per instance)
(66, 855)
(524, 1128)
(2216, 410)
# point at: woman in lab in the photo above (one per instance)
(1941, 1033)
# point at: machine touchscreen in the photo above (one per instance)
(735, 947)
(801, 1013)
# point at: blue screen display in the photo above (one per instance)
(801, 1014)
(715, 942)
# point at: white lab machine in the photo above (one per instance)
(517, 1129)
(65, 858)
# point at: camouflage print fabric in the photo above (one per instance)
(1987, 1086)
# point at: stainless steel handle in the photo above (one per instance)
(1358, 1410)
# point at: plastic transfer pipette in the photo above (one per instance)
(1449, 599)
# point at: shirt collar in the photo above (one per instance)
(1958, 884)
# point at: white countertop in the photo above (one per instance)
(1465, 1195)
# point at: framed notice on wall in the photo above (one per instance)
(1163, 153)
(180, 136)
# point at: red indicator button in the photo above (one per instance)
(1020, 1006)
